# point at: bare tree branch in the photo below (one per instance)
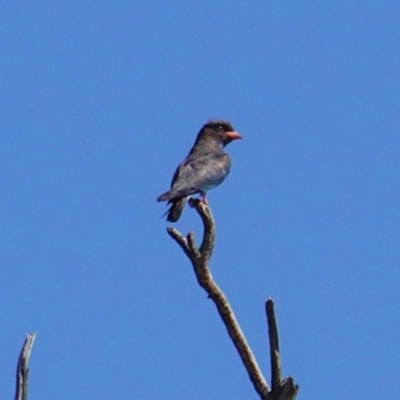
(281, 390)
(21, 391)
(207, 245)
(276, 367)
(180, 239)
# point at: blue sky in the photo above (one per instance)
(99, 103)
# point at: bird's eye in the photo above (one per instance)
(220, 128)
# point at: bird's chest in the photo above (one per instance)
(213, 181)
(215, 172)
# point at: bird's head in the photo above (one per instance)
(221, 131)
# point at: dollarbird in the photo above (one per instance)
(205, 167)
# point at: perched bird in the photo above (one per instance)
(205, 167)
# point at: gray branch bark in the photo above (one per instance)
(21, 390)
(281, 389)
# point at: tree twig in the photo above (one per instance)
(21, 391)
(281, 390)
(208, 242)
(276, 367)
(284, 389)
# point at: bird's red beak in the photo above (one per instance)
(233, 135)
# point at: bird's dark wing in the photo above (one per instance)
(197, 174)
(200, 173)
(178, 188)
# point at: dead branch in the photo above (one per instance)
(21, 391)
(280, 389)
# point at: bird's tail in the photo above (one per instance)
(175, 211)
(168, 196)
(177, 194)
(165, 196)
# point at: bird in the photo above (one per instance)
(205, 167)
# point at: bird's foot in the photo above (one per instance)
(192, 202)
(203, 198)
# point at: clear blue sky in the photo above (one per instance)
(99, 103)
